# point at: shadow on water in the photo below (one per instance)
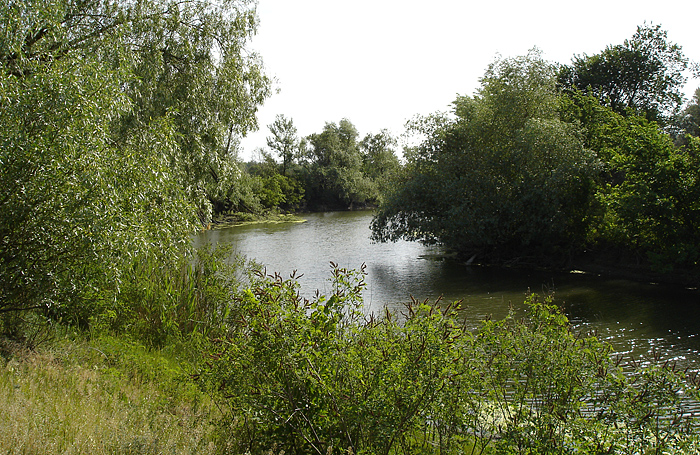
(634, 317)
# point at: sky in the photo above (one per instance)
(379, 63)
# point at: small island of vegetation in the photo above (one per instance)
(119, 136)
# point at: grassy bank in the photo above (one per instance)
(107, 396)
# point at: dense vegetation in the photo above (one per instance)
(319, 376)
(546, 163)
(119, 128)
(330, 170)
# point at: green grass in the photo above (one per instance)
(101, 397)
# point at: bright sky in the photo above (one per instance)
(378, 63)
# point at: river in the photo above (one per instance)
(636, 318)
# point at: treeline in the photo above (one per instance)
(330, 170)
(593, 162)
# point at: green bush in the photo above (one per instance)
(557, 392)
(319, 376)
(310, 376)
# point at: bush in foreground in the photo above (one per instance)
(319, 376)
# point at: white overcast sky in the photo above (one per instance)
(380, 62)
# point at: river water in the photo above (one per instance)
(637, 318)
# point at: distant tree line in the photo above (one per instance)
(330, 170)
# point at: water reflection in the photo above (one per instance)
(634, 317)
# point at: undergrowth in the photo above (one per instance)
(106, 396)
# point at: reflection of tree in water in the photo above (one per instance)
(625, 311)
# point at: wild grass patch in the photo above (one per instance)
(83, 398)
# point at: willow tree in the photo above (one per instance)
(333, 174)
(190, 64)
(109, 112)
(503, 178)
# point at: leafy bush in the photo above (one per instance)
(319, 376)
(311, 375)
(557, 392)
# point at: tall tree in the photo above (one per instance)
(100, 119)
(644, 74)
(190, 64)
(505, 178)
(334, 175)
(378, 155)
(688, 121)
(284, 141)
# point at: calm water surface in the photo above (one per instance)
(636, 318)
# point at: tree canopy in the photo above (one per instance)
(644, 74)
(504, 177)
(113, 114)
(284, 140)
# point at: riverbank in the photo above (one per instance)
(619, 265)
(610, 263)
(107, 395)
(223, 221)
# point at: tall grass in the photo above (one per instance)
(107, 397)
(163, 302)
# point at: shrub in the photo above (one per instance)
(319, 376)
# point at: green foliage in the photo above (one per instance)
(330, 170)
(317, 376)
(555, 392)
(284, 141)
(333, 177)
(103, 396)
(190, 63)
(280, 191)
(688, 121)
(77, 207)
(311, 376)
(644, 74)
(647, 192)
(506, 178)
(118, 119)
(379, 161)
(165, 302)
(655, 208)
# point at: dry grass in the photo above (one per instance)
(79, 400)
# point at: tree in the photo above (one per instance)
(644, 74)
(274, 190)
(688, 121)
(110, 114)
(504, 179)
(378, 156)
(190, 63)
(334, 175)
(647, 190)
(284, 141)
